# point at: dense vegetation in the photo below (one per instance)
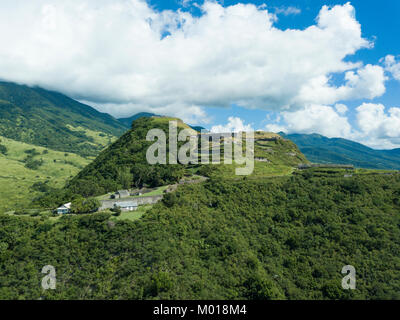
(320, 149)
(82, 205)
(122, 165)
(50, 119)
(281, 238)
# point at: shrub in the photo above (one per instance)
(82, 205)
(117, 211)
(3, 149)
(33, 164)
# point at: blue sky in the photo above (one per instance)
(305, 66)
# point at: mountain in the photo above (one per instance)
(199, 128)
(270, 235)
(320, 149)
(123, 164)
(51, 119)
(128, 121)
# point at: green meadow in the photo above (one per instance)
(133, 215)
(16, 179)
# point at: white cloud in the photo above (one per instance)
(392, 66)
(378, 128)
(374, 126)
(124, 54)
(190, 114)
(287, 11)
(234, 124)
(313, 119)
(341, 108)
(187, 3)
(365, 82)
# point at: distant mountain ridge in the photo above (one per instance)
(51, 119)
(128, 121)
(320, 149)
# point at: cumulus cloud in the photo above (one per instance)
(378, 127)
(374, 126)
(120, 55)
(392, 66)
(235, 124)
(190, 114)
(365, 82)
(313, 119)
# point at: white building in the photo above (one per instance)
(120, 194)
(65, 208)
(127, 205)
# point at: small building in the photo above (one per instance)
(120, 194)
(127, 205)
(65, 208)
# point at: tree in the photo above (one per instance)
(3, 149)
(117, 211)
(82, 205)
(125, 178)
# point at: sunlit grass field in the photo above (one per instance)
(133, 215)
(99, 139)
(16, 180)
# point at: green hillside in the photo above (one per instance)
(280, 233)
(320, 149)
(123, 164)
(28, 171)
(282, 238)
(52, 120)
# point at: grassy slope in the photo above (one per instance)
(282, 155)
(16, 179)
(98, 139)
(40, 117)
(133, 215)
(123, 164)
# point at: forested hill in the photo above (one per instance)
(320, 149)
(123, 164)
(282, 238)
(51, 119)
